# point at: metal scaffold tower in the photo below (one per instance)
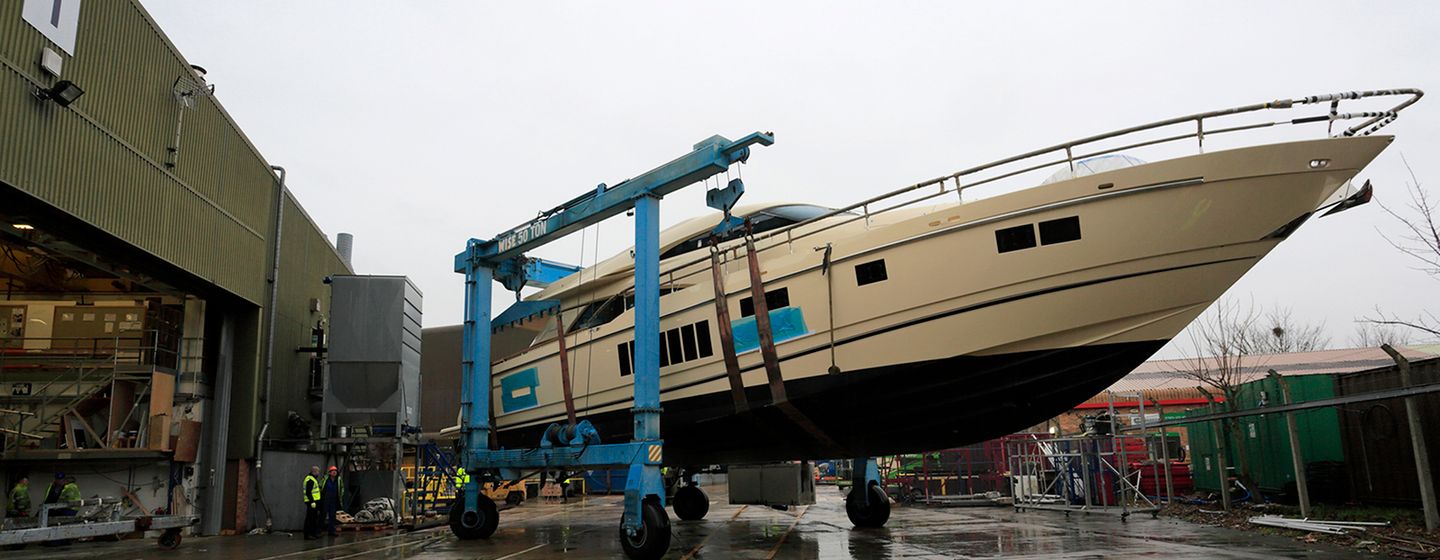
(1093, 472)
(645, 527)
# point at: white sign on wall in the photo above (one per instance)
(58, 20)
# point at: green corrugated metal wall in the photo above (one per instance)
(305, 261)
(1265, 438)
(102, 160)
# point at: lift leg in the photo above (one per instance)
(645, 527)
(867, 505)
(474, 515)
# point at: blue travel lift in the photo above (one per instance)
(645, 527)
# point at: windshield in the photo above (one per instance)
(762, 221)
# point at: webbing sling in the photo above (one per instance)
(767, 348)
(565, 368)
(727, 335)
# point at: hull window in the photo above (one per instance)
(702, 338)
(1060, 231)
(626, 351)
(773, 300)
(677, 345)
(870, 273)
(673, 344)
(1015, 238)
(687, 333)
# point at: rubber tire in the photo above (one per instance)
(690, 503)
(654, 538)
(514, 498)
(170, 539)
(871, 515)
(489, 518)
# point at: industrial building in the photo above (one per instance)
(163, 292)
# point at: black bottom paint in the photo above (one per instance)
(883, 411)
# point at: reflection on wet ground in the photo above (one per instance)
(588, 529)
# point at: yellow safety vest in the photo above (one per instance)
(311, 489)
(461, 477)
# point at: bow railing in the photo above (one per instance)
(1068, 153)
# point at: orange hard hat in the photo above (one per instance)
(334, 469)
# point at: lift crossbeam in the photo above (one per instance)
(593, 456)
(710, 157)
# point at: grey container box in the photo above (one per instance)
(778, 484)
(374, 351)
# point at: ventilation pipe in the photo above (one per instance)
(280, 194)
(345, 245)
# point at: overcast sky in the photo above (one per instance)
(416, 126)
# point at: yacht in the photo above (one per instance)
(929, 317)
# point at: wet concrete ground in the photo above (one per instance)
(588, 530)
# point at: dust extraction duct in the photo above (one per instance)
(345, 244)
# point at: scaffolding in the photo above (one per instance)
(91, 393)
(1097, 471)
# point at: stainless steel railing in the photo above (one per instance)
(1069, 153)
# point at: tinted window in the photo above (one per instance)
(1015, 238)
(677, 346)
(870, 273)
(771, 218)
(1060, 231)
(601, 312)
(773, 300)
(626, 351)
(702, 338)
(800, 212)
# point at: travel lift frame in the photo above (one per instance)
(644, 528)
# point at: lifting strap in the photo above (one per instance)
(565, 367)
(767, 349)
(727, 335)
(762, 322)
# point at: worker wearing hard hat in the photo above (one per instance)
(332, 492)
(63, 489)
(311, 494)
(19, 503)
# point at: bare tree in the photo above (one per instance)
(1421, 242)
(1372, 335)
(1222, 343)
(1229, 343)
(1278, 333)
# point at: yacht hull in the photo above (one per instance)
(960, 339)
(893, 409)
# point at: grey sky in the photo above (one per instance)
(416, 126)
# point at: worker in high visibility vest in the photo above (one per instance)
(19, 504)
(461, 479)
(310, 492)
(63, 489)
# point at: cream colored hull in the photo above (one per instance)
(1157, 247)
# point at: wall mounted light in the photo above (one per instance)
(63, 93)
(23, 227)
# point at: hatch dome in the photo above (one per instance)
(1091, 166)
